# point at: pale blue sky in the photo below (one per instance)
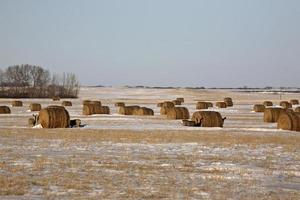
(211, 43)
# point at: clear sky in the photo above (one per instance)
(211, 43)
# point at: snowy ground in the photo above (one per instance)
(129, 157)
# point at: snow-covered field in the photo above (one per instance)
(131, 157)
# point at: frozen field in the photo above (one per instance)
(130, 157)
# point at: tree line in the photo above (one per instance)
(30, 81)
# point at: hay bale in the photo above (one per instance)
(104, 110)
(228, 102)
(95, 108)
(4, 110)
(56, 98)
(297, 109)
(160, 104)
(17, 103)
(178, 113)
(285, 104)
(145, 111)
(186, 122)
(180, 99)
(271, 114)
(54, 117)
(66, 103)
(268, 103)
(258, 108)
(176, 102)
(289, 121)
(119, 104)
(35, 107)
(294, 101)
(202, 105)
(128, 110)
(221, 104)
(208, 119)
(164, 110)
(85, 102)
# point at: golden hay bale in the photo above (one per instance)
(221, 104)
(164, 110)
(31, 122)
(289, 121)
(258, 108)
(176, 102)
(297, 109)
(227, 99)
(145, 111)
(168, 104)
(17, 103)
(66, 103)
(285, 104)
(119, 104)
(54, 117)
(186, 122)
(4, 110)
(268, 103)
(202, 105)
(294, 101)
(128, 110)
(208, 119)
(228, 102)
(56, 98)
(160, 104)
(178, 113)
(180, 99)
(271, 114)
(35, 107)
(95, 108)
(85, 102)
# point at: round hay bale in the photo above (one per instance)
(228, 102)
(128, 110)
(268, 103)
(54, 117)
(289, 121)
(168, 104)
(271, 114)
(186, 122)
(119, 104)
(285, 104)
(66, 103)
(176, 102)
(4, 110)
(145, 111)
(202, 105)
(297, 109)
(180, 99)
(160, 104)
(294, 101)
(85, 102)
(208, 119)
(35, 107)
(88, 109)
(178, 113)
(258, 108)
(17, 103)
(221, 104)
(56, 98)
(31, 122)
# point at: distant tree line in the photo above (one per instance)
(30, 81)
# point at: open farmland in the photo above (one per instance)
(150, 157)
